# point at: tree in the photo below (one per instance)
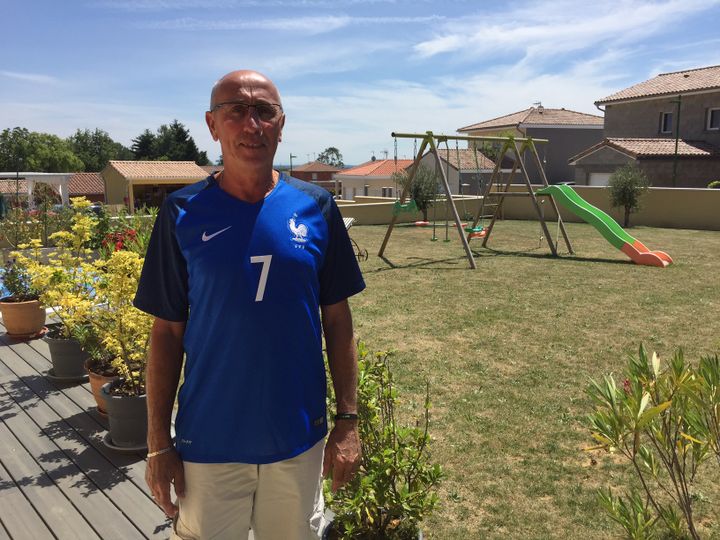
(143, 146)
(96, 148)
(172, 142)
(331, 156)
(21, 149)
(627, 185)
(422, 189)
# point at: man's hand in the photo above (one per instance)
(160, 472)
(342, 453)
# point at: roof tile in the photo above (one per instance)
(379, 167)
(538, 116)
(86, 184)
(690, 80)
(645, 148)
(140, 170)
(316, 166)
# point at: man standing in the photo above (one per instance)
(244, 273)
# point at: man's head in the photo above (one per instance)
(246, 116)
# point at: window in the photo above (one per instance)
(713, 120)
(666, 122)
(314, 176)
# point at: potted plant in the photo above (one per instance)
(123, 332)
(66, 282)
(395, 487)
(23, 314)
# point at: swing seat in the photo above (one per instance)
(422, 223)
(477, 229)
(407, 207)
(478, 234)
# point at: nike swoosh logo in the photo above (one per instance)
(206, 236)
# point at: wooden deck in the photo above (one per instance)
(57, 479)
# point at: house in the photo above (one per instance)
(372, 179)
(669, 126)
(87, 184)
(465, 169)
(568, 132)
(146, 183)
(318, 173)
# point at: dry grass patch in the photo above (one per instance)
(508, 350)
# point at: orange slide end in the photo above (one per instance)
(643, 249)
(645, 256)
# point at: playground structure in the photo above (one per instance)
(492, 200)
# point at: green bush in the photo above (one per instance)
(714, 184)
(665, 420)
(627, 186)
(394, 489)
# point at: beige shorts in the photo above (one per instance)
(278, 501)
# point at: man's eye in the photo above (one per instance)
(239, 109)
(266, 112)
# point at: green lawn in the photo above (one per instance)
(508, 350)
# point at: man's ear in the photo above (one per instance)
(210, 121)
(282, 125)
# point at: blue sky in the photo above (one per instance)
(350, 71)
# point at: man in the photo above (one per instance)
(244, 272)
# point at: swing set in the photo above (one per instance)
(491, 199)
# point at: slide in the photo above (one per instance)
(607, 226)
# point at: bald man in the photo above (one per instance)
(245, 272)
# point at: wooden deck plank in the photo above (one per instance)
(86, 434)
(18, 518)
(55, 458)
(60, 515)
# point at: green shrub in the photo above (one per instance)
(394, 489)
(627, 185)
(715, 184)
(665, 420)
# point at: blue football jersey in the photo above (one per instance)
(249, 280)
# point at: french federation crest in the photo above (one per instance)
(299, 230)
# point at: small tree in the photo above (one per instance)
(627, 185)
(331, 156)
(422, 189)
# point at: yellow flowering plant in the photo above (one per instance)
(122, 330)
(65, 282)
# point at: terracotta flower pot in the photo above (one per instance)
(67, 357)
(128, 418)
(22, 318)
(97, 380)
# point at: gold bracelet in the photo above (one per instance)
(160, 452)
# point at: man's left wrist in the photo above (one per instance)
(346, 416)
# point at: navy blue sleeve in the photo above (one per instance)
(163, 288)
(340, 275)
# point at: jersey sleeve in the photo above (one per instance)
(163, 287)
(340, 275)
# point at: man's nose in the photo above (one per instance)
(252, 120)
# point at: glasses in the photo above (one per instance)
(238, 110)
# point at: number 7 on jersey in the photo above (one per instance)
(265, 261)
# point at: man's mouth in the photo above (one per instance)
(251, 145)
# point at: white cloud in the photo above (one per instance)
(30, 77)
(548, 28)
(177, 5)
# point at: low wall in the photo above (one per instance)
(673, 208)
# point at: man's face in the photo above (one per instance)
(249, 136)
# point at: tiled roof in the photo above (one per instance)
(690, 80)
(644, 148)
(86, 184)
(467, 159)
(171, 170)
(9, 187)
(316, 166)
(379, 167)
(538, 116)
(209, 169)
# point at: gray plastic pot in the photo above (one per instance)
(67, 357)
(127, 416)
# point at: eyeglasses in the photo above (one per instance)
(238, 110)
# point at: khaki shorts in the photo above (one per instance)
(278, 501)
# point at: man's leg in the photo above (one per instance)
(218, 501)
(288, 501)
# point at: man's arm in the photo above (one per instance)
(342, 451)
(162, 377)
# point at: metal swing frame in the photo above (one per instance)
(510, 143)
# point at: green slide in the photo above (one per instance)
(606, 226)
